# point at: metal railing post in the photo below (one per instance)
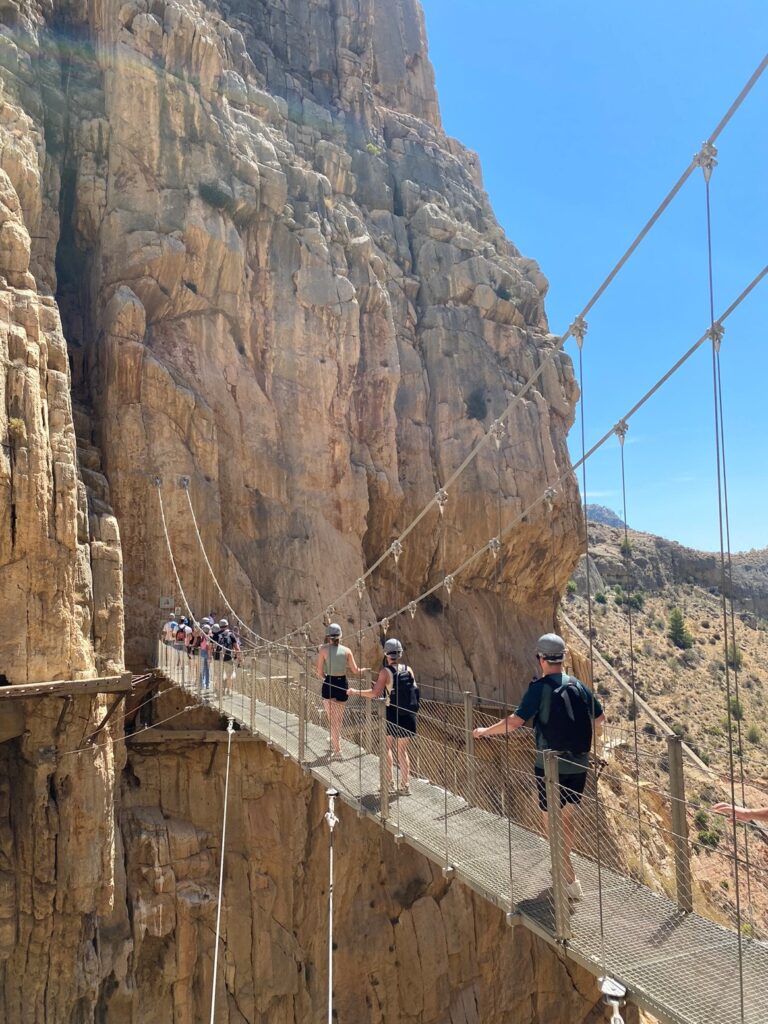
(253, 691)
(556, 850)
(269, 694)
(381, 713)
(301, 715)
(368, 718)
(469, 748)
(683, 885)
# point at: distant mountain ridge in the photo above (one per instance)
(656, 563)
(603, 514)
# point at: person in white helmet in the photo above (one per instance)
(334, 661)
(399, 683)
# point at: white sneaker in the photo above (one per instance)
(573, 890)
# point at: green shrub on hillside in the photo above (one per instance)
(677, 631)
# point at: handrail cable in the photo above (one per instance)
(195, 621)
(548, 358)
(185, 487)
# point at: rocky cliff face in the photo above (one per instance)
(278, 277)
(237, 246)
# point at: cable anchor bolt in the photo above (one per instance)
(328, 614)
(396, 549)
(230, 725)
(384, 624)
(497, 431)
(614, 995)
(441, 497)
(549, 497)
(620, 430)
(184, 482)
(330, 815)
(494, 546)
(360, 587)
(448, 583)
(412, 608)
(716, 333)
(705, 159)
(578, 330)
(158, 481)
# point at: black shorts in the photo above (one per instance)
(400, 724)
(335, 688)
(571, 788)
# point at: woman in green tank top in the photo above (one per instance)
(334, 661)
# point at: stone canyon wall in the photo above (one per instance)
(278, 277)
(237, 246)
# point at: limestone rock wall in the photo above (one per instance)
(278, 277)
(60, 864)
(56, 591)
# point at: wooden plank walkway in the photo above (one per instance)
(680, 967)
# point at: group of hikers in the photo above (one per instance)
(563, 711)
(565, 714)
(209, 641)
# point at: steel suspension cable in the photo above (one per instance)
(222, 595)
(580, 330)
(549, 357)
(736, 655)
(756, 280)
(621, 433)
(707, 162)
(230, 730)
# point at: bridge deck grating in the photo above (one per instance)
(682, 968)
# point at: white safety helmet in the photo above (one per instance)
(333, 630)
(393, 647)
(223, 623)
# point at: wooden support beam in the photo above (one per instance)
(113, 708)
(68, 687)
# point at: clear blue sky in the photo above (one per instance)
(584, 115)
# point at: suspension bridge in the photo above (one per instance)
(648, 919)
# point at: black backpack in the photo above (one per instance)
(565, 716)
(404, 693)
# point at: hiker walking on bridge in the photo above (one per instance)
(398, 681)
(334, 661)
(563, 712)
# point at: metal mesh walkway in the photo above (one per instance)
(681, 967)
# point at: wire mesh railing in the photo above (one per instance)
(475, 807)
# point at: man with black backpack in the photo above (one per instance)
(563, 712)
(398, 682)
